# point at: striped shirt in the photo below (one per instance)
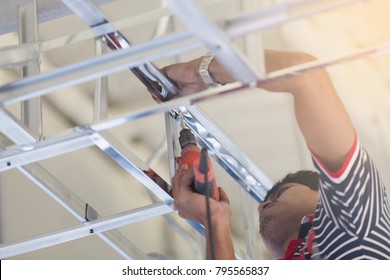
(352, 219)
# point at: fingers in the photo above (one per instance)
(186, 77)
(186, 201)
(182, 182)
(191, 205)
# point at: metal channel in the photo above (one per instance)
(13, 56)
(74, 205)
(91, 69)
(215, 40)
(84, 230)
(14, 130)
(121, 155)
(100, 105)
(311, 66)
(28, 33)
(48, 10)
(19, 55)
(129, 162)
(121, 24)
(228, 89)
(226, 153)
(381, 48)
(84, 137)
(21, 155)
(231, 158)
(136, 167)
(94, 68)
(133, 165)
(60, 192)
(154, 79)
(212, 93)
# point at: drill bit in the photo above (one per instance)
(182, 123)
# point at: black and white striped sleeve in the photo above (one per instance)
(353, 217)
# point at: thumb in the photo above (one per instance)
(223, 196)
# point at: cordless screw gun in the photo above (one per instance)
(198, 160)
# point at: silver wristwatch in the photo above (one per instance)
(204, 71)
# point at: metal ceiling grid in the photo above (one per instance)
(30, 147)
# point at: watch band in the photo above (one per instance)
(204, 71)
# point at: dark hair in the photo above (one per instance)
(303, 177)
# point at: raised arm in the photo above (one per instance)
(321, 116)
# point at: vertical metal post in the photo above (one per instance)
(100, 107)
(172, 142)
(28, 33)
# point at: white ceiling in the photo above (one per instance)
(261, 123)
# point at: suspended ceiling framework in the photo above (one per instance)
(83, 128)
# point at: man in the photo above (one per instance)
(339, 212)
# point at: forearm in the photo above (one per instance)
(191, 205)
(320, 114)
(222, 240)
(322, 118)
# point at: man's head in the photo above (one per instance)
(284, 206)
(303, 177)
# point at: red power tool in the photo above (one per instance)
(194, 158)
